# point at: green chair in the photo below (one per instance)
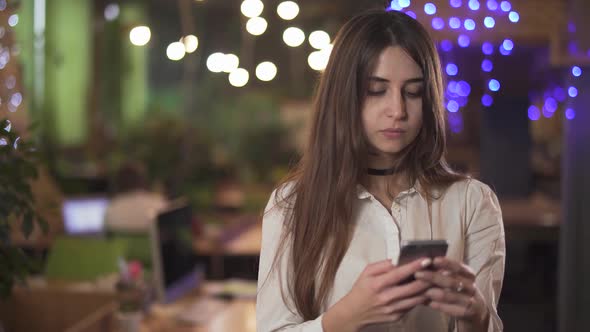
(78, 258)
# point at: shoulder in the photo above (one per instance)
(281, 197)
(470, 189)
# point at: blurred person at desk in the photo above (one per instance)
(373, 175)
(133, 208)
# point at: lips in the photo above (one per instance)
(393, 131)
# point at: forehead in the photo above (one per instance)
(395, 64)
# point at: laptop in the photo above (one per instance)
(173, 257)
(84, 215)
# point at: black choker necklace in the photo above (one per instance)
(386, 171)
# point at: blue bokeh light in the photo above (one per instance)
(576, 71)
(455, 122)
(462, 101)
(446, 45)
(469, 24)
(570, 114)
(463, 41)
(506, 6)
(456, 3)
(463, 89)
(452, 106)
(503, 51)
(411, 14)
(473, 5)
(404, 3)
(571, 27)
(454, 22)
(430, 8)
(487, 48)
(547, 113)
(452, 88)
(489, 22)
(550, 104)
(514, 17)
(487, 65)
(494, 85)
(534, 113)
(438, 23)
(559, 93)
(492, 5)
(394, 5)
(452, 69)
(487, 100)
(508, 44)
(572, 91)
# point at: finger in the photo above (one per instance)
(379, 267)
(452, 309)
(443, 280)
(402, 272)
(404, 305)
(456, 267)
(387, 318)
(448, 297)
(394, 293)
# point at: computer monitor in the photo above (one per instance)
(173, 256)
(84, 215)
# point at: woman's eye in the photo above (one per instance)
(375, 92)
(414, 94)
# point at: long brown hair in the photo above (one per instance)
(323, 194)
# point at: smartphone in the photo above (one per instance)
(415, 249)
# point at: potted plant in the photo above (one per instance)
(18, 167)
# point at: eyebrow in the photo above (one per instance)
(411, 80)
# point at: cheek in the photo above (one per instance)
(416, 116)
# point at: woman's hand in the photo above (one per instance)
(454, 292)
(377, 296)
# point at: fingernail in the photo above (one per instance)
(426, 262)
(446, 273)
(419, 274)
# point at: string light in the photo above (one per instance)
(239, 77)
(266, 71)
(140, 35)
(293, 36)
(251, 8)
(288, 10)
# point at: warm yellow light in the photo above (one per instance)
(266, 71)
(252, 8)
(318, 60)
(239, 77)
(140, 35)
(256, 26)
(319, 39)
(230, 63)
(215, 62)
(175, 51)
(293, 36)
(288, 10)
(191, 43)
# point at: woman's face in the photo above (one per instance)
(392, 110)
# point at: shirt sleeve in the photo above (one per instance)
(485, 248)
(272, 313)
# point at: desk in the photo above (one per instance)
(239, 315)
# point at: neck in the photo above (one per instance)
(388, 184)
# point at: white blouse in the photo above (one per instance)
(467, 215)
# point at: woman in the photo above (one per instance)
(373, 175)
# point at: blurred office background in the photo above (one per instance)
(156, 104)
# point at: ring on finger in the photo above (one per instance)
(460, 288)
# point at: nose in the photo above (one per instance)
(396, 106)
